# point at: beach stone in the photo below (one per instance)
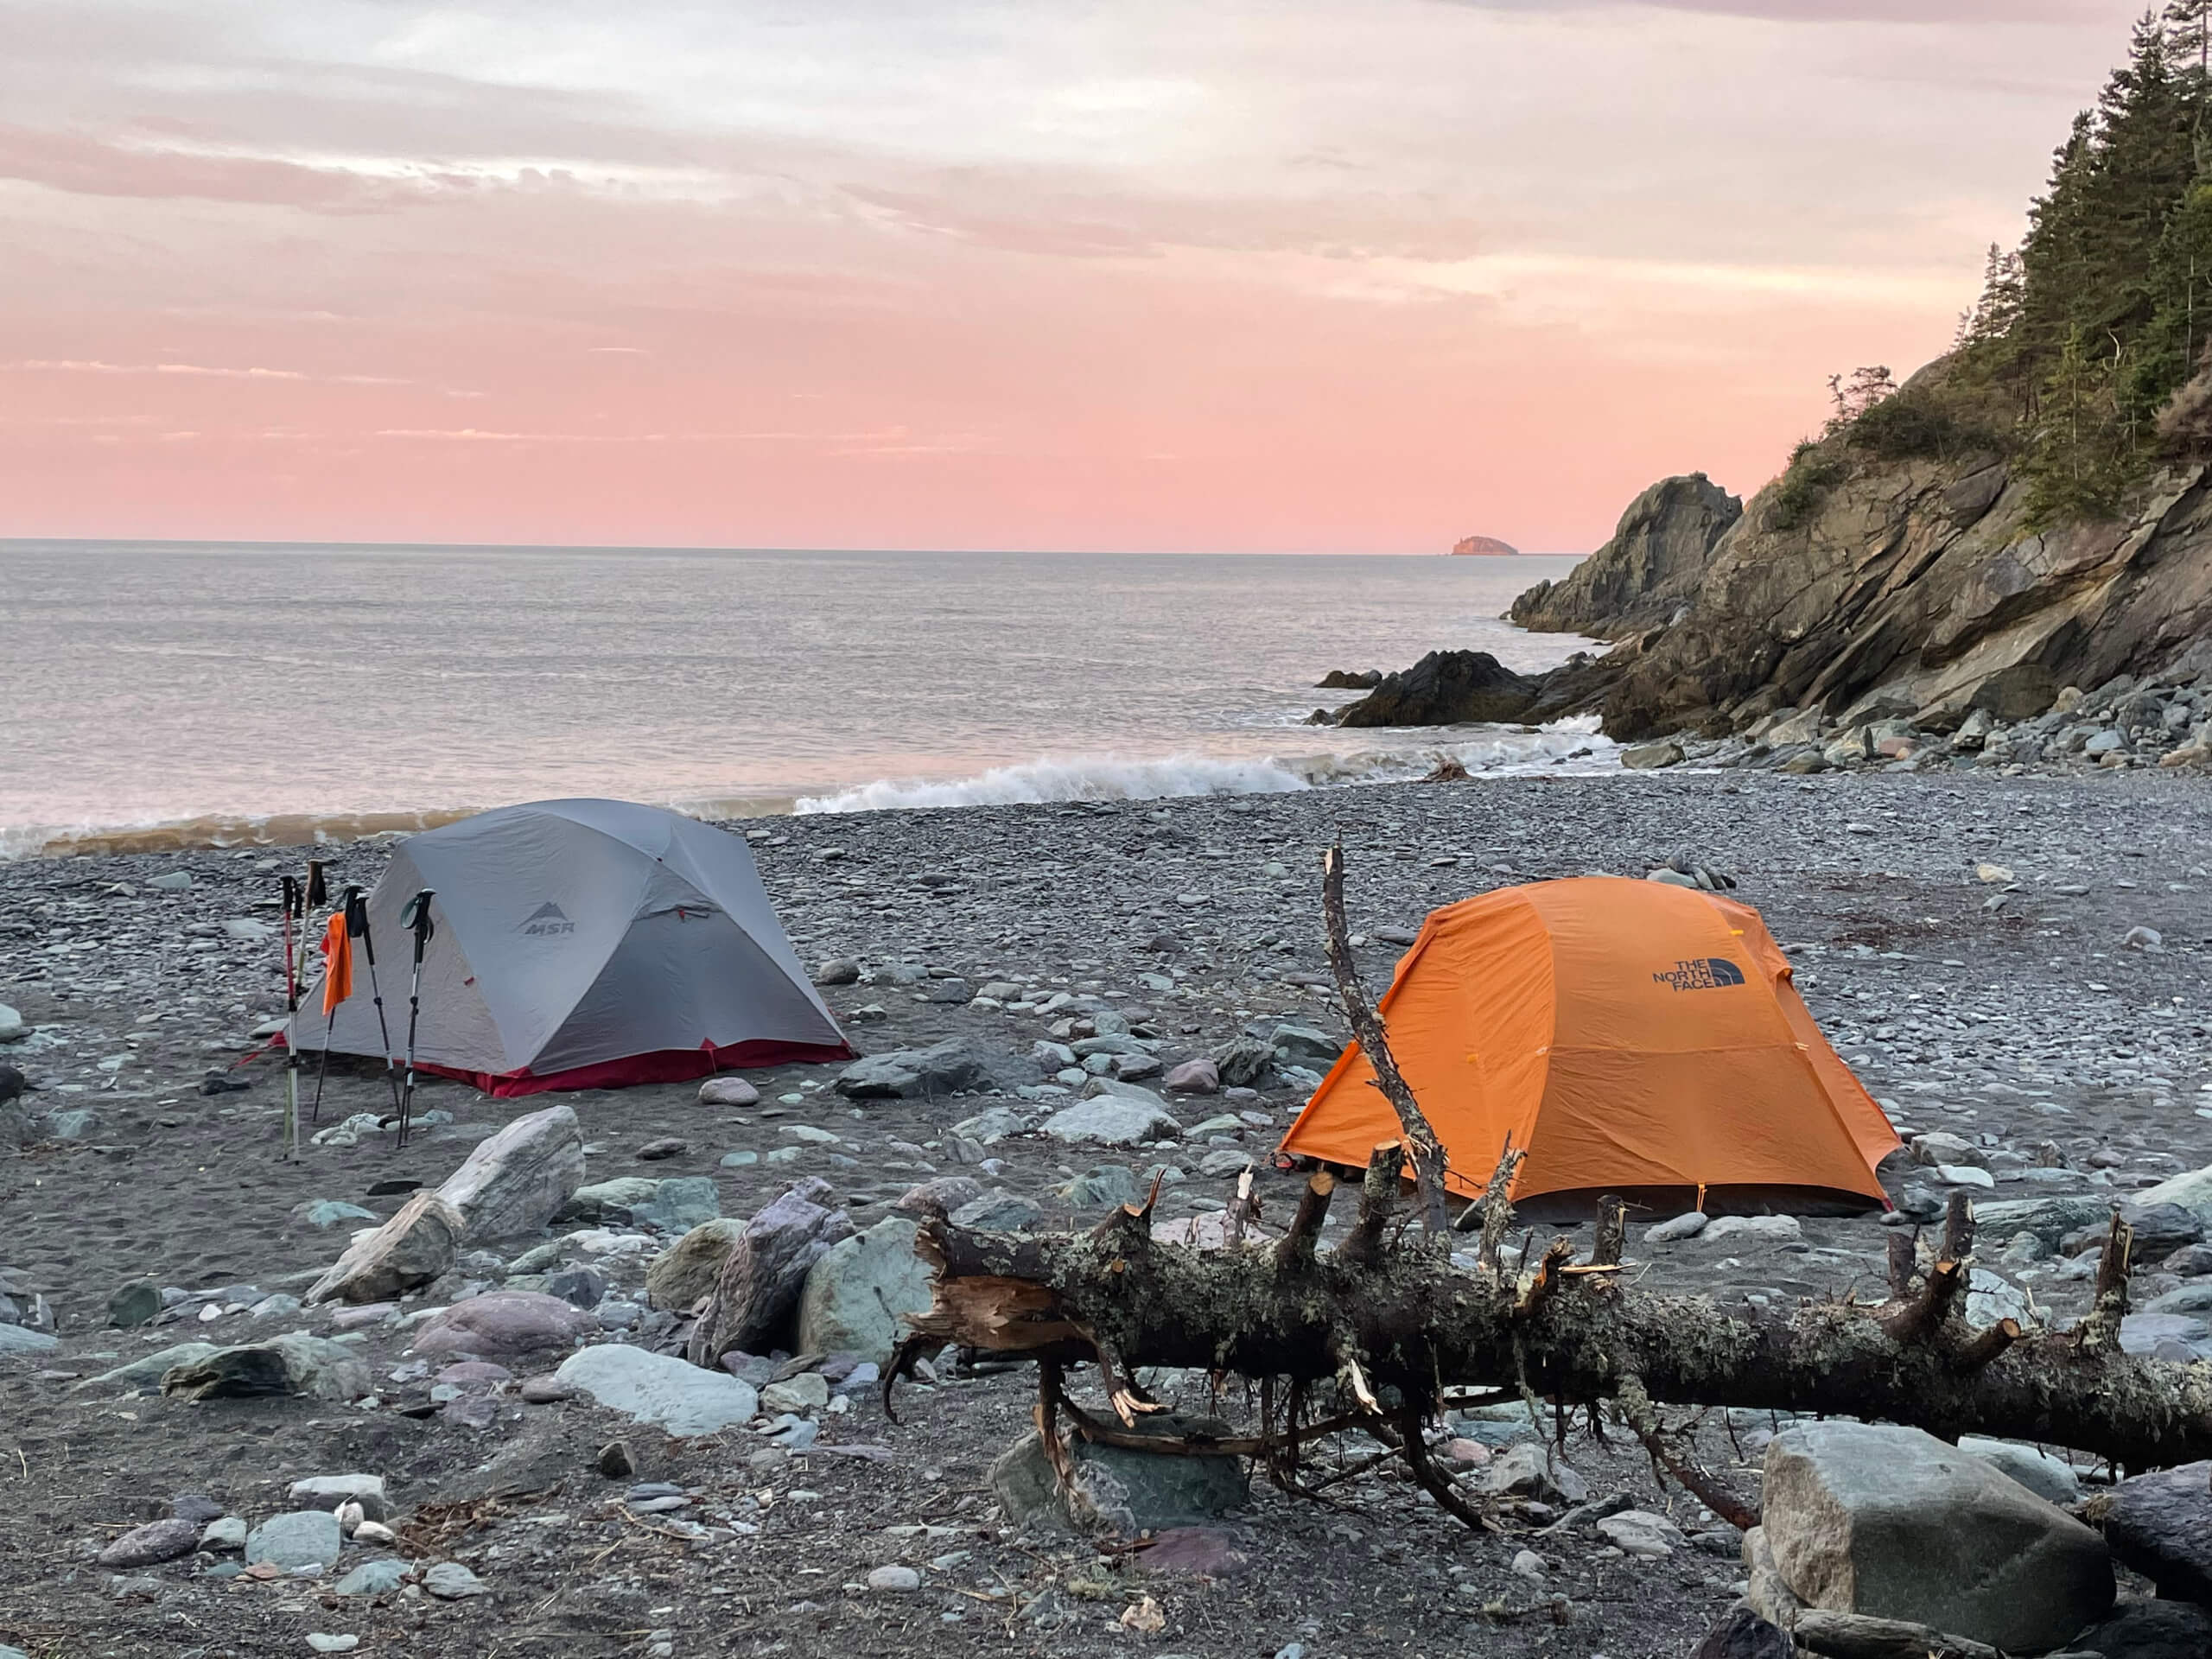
(1742, 1634)
(2050, 1219)
(1642, 1533)
(2160, 1524)
(855, 1294)
(170, 881)
(687, 1270)
(1245, 1063)
(329, 1642)
(1890, 1522)
(2149, 1630)
(2049, 1478)
(988, 1129)
(516, 1181)
(681, 1399)
(323, 1214)
(1129, 1491)
(328, 1491)
(2191, 1189)
(70, 1125)
(766, 1269)
(808, 1391)
(134, 1304)
(451, 1581)
(224, 1535)
(609, 1201)
(417, 1245)
(305, 1538)
(2166, 1336)
(1197, 1552)
(1774, 1230)
(999, 1212)
(1525, 1471)
(1110, 1121)
(502, 1325)
(1193, 1077)
(1101, 1187)
(142, 1373)
(293, 1364)
(1765, 1592)
(837, 971)
(1679, 1227)
(1305, 1046)
(952, 1067)
(727, 1091)
(13, 1028)
(945, 1192)
(1650, 757)
(667, 1147)
(894, 1580)
(151, 1545)
(578, 1286)
(679, 1204)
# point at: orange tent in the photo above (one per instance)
(1631, 1037)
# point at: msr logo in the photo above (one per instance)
(548, 917)
(1700, 974)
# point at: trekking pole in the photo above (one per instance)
(416, 919)
(356, 926)
(317, 895)
(294, 907)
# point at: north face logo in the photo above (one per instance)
(548, 917)
(1700, 974)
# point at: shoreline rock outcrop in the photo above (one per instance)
(1643, 576)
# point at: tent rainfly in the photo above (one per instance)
(581, 944)
(1631, 1037)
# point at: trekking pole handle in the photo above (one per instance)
(416, 919)
(318, 888)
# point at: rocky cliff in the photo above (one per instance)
(1646, 573)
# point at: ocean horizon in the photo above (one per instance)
(178, 693)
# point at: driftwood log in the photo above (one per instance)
(1384, 1332)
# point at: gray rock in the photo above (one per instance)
(293, 1364)
(323, 1214)
(609, 1201)
(857, 1294)
(13, 1027)
(1526, 1470)
(894, 1580)
(2160, 1524)
(1112, 1121)
(579, 1287)
(2050, 1219)
(143, 1373)
(1891, 1521)
(1245, 1063)
(134, 1304)
(417, 1246)
(999, 1212)
(679, 1204)
(1742, 1634)
(1642, 1533)
(517, 1181)
(1766, 1592)
(1305, 1045)
(945, 1192)
(1687, 1225)
(687, 1270)
(18, 1340)
(451, 1581)
(376, 1578)
(2192, 1190)
(73, 1125)
(988, 1129)
(1193, 1077)
(758, 1290)
(1101, 1187)
(151, 1545)
(837, 971)
(1128, 1491)
(170, 881)
(1650, 757)
(224, 1535)
(503, 1325)
(328, 1491)
(1772, 1230)
(305, 1538)
(729, 1091)
(952, 1067)
(2149, 1630)
(2049, 1478)
(682, 1399)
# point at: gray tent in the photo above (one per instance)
(581, 944)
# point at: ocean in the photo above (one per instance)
(163, 694)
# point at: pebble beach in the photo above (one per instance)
(2016, 966)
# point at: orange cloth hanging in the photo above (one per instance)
(337, 964)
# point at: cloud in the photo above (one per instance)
(1834, 11)
(94, 365)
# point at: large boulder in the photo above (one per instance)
(2149, 1630)
(415, 1246)
(660, 1390)
(1113, 1119)
(1648, 570)
(687, 1270)
(2160, 1524)
(757, 1295)
(517, 1180)
(1446, 688)
(1127, 1490)
(2191, 1189)
(2050, 1219)
(294, 1363)
(504, 1324)
(858, 1292)
(1891, 1521)
(956, 1066)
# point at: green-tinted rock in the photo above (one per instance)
(134, 1304)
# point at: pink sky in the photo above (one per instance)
(1295, 275)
